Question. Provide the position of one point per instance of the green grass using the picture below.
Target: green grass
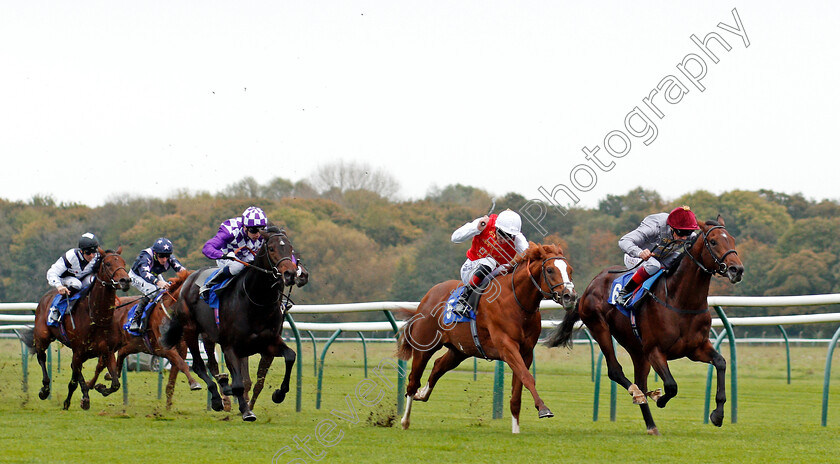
(777, 422)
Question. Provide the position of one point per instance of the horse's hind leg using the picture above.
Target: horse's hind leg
(77, 380)
(201, 371)
(234, 364)
(41, 339)
(450, 360)
(100, 365)
(708, 354)
(213, 367)
(418, 364)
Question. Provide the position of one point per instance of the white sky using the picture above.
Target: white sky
(106, 98)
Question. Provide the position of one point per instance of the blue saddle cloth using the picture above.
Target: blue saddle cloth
(212, 298)
(61, 302)
(638, 294)
(449, 314)
(146, 311)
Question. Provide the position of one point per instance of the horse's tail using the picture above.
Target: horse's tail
(562, 335)
(172, 329)
(404, 349)
(27, 336)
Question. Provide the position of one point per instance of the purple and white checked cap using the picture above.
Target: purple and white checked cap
(254, 217)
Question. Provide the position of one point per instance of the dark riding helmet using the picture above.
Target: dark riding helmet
(162, 246)
(88, 242)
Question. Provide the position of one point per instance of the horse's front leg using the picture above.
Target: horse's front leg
(100, 365)
(509, 350)
(659, 362)
(77, 380)
(641, 369)
(112, 364)
(708, 354)
(289, 356)
(234, 364)
(516, 396)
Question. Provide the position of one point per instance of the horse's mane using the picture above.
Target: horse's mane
(178, 280)
(712, 222)
(536, 250)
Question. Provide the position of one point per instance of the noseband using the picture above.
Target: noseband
(274, 271)
(721, 266)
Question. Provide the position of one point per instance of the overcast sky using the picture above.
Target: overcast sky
(99, 99)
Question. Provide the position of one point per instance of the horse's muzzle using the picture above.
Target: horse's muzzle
(567, 299)
(735, 273)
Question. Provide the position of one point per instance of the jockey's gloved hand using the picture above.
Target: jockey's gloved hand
(230, 255)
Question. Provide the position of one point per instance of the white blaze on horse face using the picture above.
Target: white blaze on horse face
(561, 266)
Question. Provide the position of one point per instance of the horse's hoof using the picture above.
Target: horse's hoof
(85, 403)
(44, 393)
(278, 396)
(195, 386)
(249, 417)
(226, 403)
(102, 389)
(653, 431)
(66, 406)
(716, 419)
(545, 412)
(216, 404)
(405, 424)
(661, 402)
(107, 376)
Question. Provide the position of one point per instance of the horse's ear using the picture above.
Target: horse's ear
(720, 220)
(101, 251)
(119, 250)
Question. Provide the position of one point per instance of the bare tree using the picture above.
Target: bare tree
(346, 176)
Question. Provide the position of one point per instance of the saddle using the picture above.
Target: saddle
(449, 314)
(633, 302)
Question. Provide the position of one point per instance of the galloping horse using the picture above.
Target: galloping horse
(250, 319)
(86, 329)
(127, 344)
(673, 321)
(507, 321)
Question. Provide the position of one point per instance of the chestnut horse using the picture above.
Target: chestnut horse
(250, 319)
(673, 321)
(127, 343)
(86, 329)
(508, 325)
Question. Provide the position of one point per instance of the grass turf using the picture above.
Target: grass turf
(776, 422)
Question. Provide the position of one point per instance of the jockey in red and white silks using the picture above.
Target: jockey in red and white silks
(496, 239)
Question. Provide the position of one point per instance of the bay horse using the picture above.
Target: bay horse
(673, 321)
(86, 330)
(127, 344)
(250, 319)
(508, 325)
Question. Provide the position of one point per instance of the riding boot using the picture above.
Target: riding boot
(54, 317)
(138, 315)
(640, 276)
(472, 293)
(219, 277)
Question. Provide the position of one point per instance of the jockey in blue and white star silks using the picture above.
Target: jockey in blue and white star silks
(237, 238)
(74, 270)
(146, 273)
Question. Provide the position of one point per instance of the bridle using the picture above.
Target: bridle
(274, 271)
(113, 283)
(551, 293)
(722, 267)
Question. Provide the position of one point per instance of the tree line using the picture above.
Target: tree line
(361, 244)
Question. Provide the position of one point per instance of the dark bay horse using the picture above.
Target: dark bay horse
(251, 314)
(86, 330)
(673, 322)
(128, 344)
(508, 325)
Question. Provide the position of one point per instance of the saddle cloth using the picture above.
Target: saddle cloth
(638, 294)
(148, 309)
(61, 302)
(449, 314)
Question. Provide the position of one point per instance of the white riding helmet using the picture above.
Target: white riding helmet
(509, 222)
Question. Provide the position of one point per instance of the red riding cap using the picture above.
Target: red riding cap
(682, 218)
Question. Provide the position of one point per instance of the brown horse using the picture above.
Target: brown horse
(673, 321)
(127, 344)
(508, 326)
(86, 329)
